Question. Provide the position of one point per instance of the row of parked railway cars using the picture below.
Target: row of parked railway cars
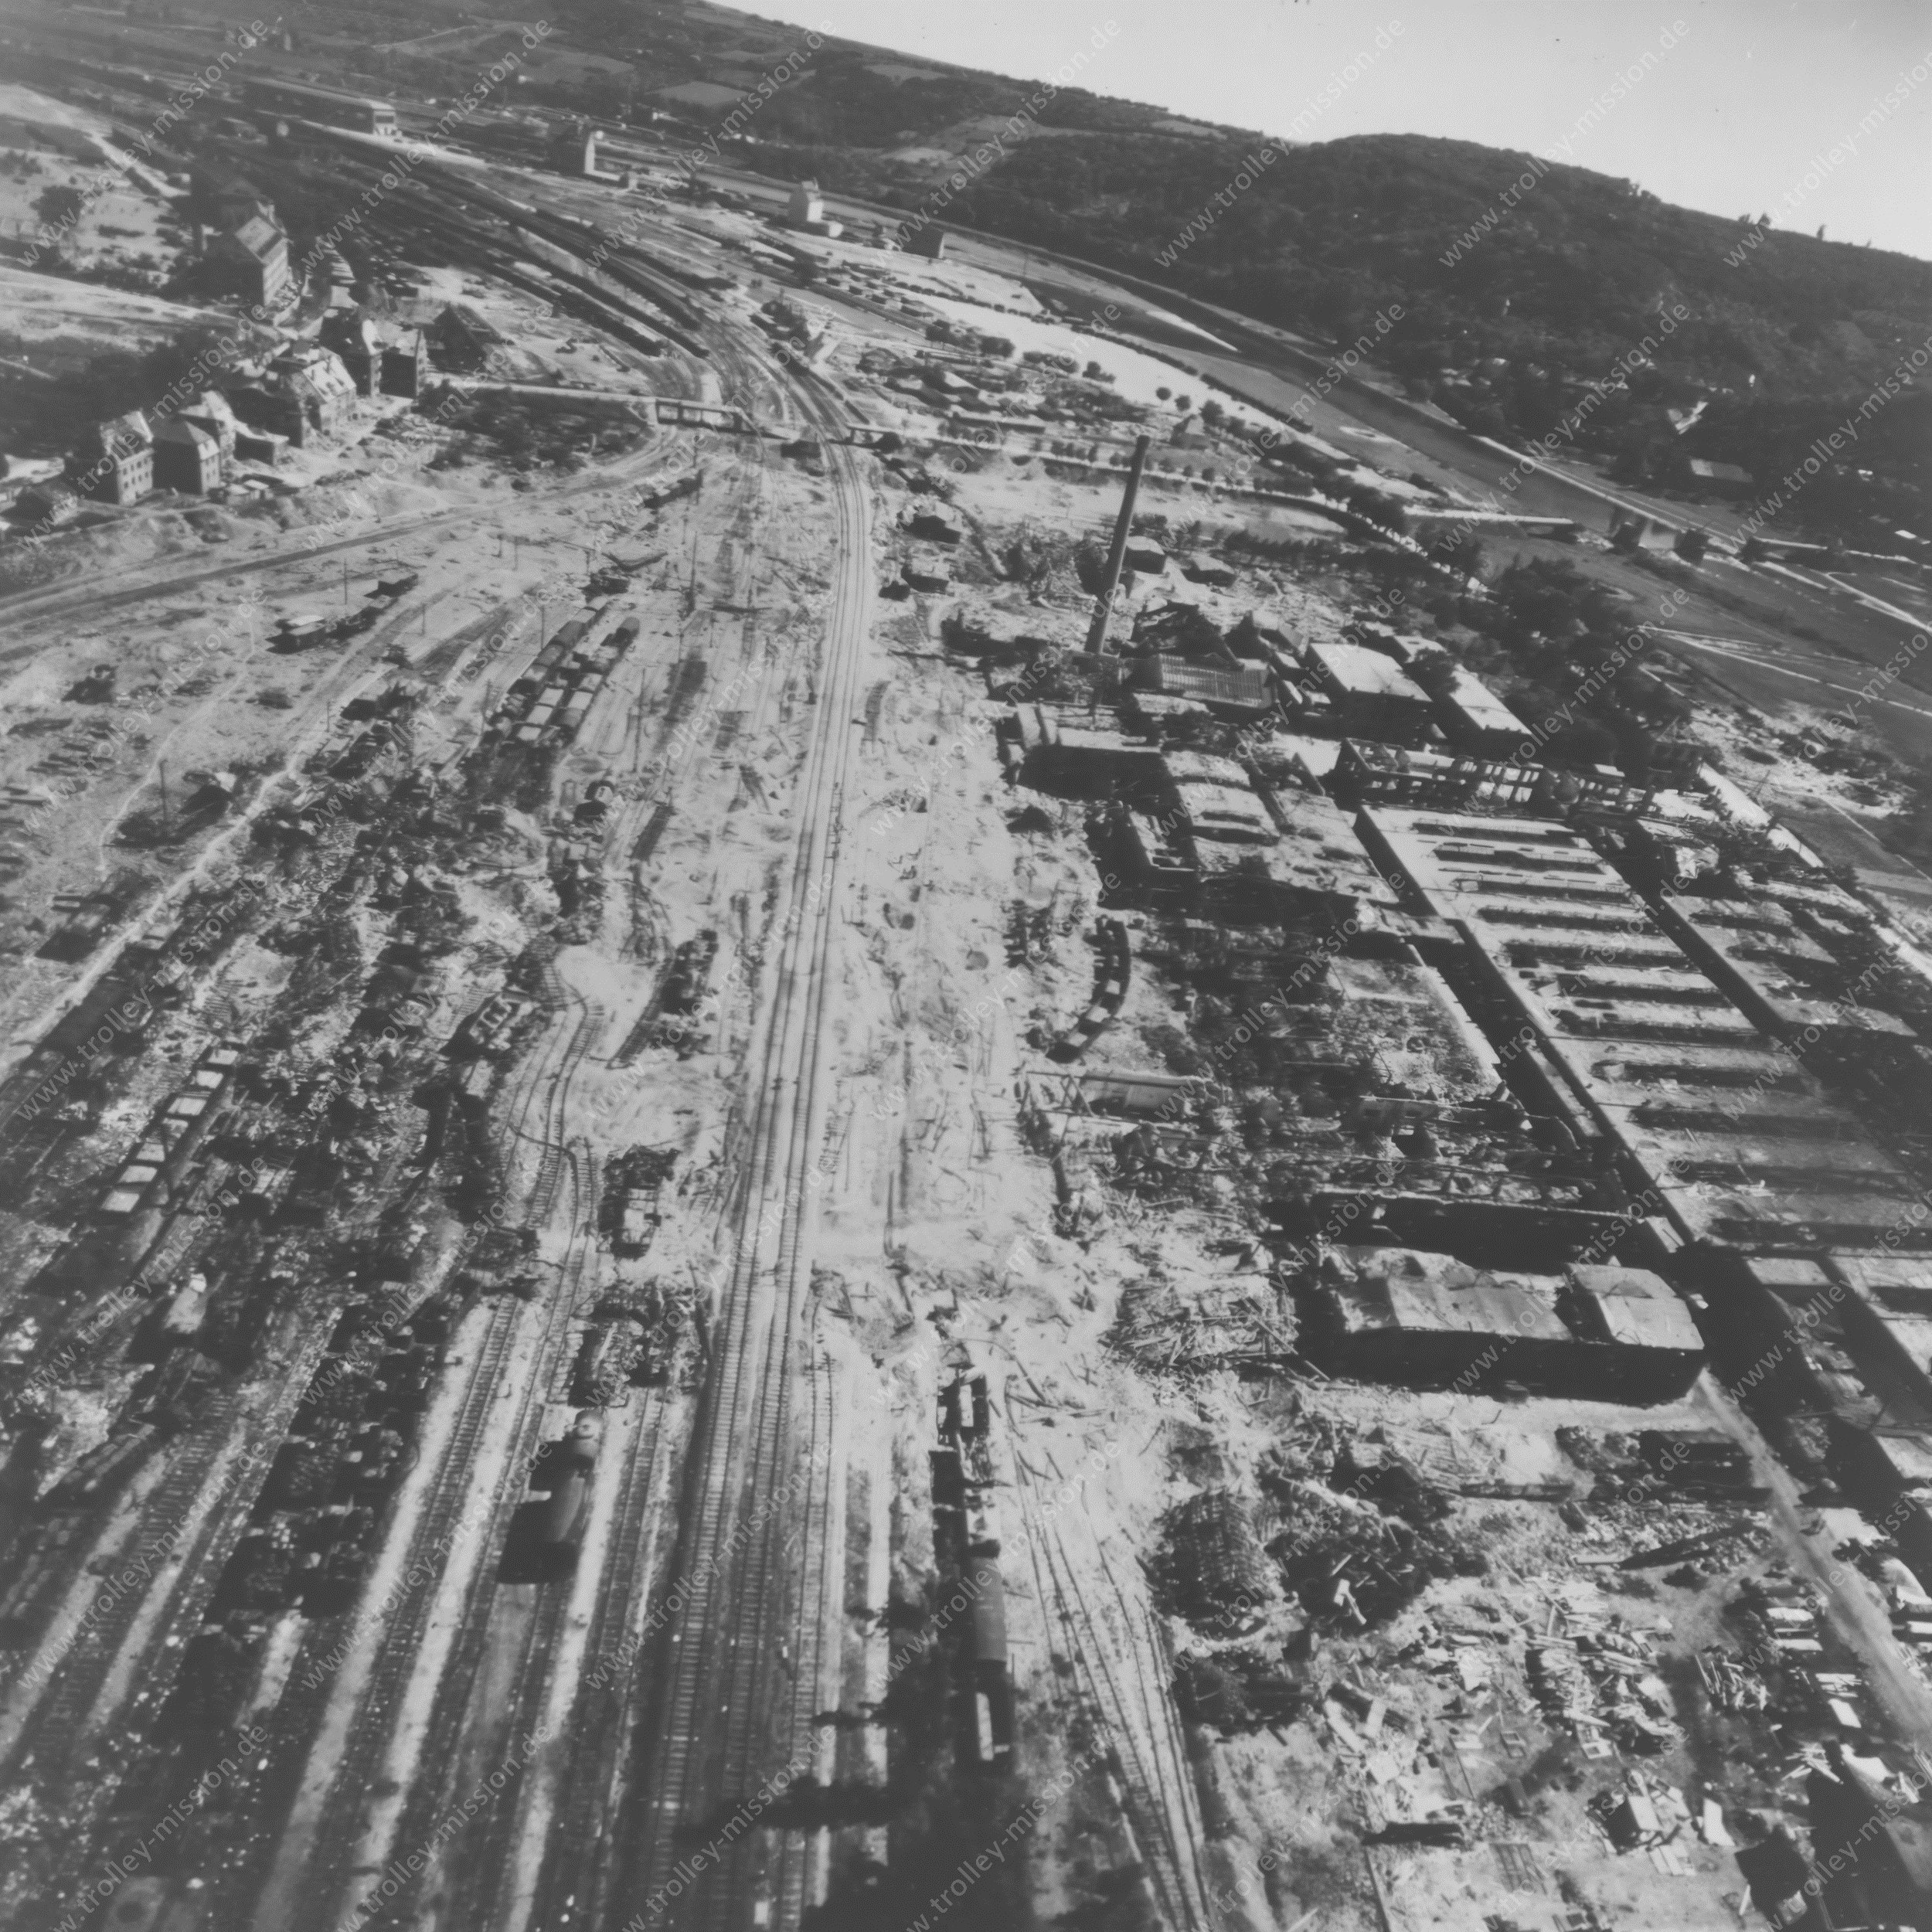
(546, 705)
(161, 1158)
(966, 1537)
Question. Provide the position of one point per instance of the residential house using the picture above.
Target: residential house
(806, 212)
(186, 457)
(210, 411)
(404, 363)
(252, 261)
(319, 387)
(573, 148)
(114, 462)
(354, 341)
(305, 394)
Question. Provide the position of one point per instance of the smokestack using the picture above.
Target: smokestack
(1097, 637)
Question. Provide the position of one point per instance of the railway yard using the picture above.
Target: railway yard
(752, 1176)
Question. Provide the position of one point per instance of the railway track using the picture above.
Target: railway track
(483, 1875)
(802, 1865)
(717, 1663)
(57, 1729)
(1138, 1715)
(305, 1880)
(583, 1807)
(316, 1877)
(358, 1742)
(555, 1148)
(535, 1109)
(454, 1484)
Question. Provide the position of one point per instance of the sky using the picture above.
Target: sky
(1734, 107)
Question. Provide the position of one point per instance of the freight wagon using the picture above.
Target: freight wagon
(572, 1463)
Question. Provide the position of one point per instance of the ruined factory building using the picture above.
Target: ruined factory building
(1658, 1350)
(1368, 774)
(1429, 1320)
(1778, 975)
(1371, 696)
(1474, 719)
(1238, 695)
(1736, 1141)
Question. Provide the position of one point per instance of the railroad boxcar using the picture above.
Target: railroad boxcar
(574, 1460)
(983, 1659)
(612, 1354)
(538, 672)
(685, 984)
(949, 1480)
(638, 1217)
(186, 1311)
(102, 1471)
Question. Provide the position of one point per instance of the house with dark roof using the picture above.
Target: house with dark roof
(317, 391)
(224, 199)
(186, 457)
(404, 364)
(354, 340)
(114, 461)
(305, 393)
(252, 259)
(573, 149)
(210, 411)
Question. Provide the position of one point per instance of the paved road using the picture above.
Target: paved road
(1853, 1606)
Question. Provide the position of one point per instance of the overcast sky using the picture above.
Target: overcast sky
(1741, 115)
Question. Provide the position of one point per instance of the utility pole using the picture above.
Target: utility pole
(1123, 530)
(166, 816)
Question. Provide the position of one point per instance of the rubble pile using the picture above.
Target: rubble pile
(1595, 1673)
(1240, 1322)
(1211, 1565)
(1236, 1688)
(1351, 1565)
